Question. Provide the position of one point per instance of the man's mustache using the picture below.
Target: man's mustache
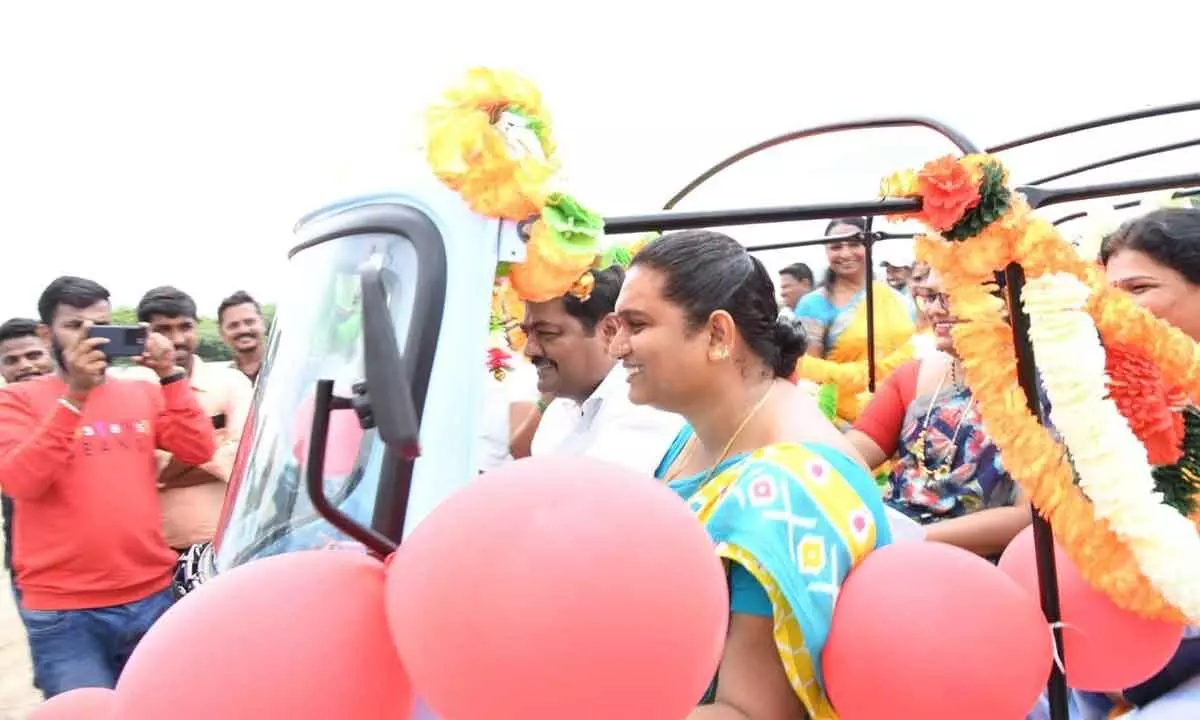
(246, 336)
(540, 361)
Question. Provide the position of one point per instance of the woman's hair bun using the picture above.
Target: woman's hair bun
(792, 341)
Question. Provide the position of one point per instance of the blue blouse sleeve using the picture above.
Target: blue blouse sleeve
(746, 594)
(815, 307)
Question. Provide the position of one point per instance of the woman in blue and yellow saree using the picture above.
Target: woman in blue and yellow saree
(789, 507)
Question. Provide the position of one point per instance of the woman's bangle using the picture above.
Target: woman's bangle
(541, 406)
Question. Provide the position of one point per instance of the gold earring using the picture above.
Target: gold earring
(721, 353)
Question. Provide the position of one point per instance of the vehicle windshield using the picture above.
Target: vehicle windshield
(319, 337)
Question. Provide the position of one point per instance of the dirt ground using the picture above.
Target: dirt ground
(17, 696)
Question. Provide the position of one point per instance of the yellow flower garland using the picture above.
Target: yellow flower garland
(1037, 462)
(850, 378)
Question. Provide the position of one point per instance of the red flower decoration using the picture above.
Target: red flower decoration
(1136, 386)
(948, 191)
(499, 362)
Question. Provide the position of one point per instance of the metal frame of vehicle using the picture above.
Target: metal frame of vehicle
(392, 503)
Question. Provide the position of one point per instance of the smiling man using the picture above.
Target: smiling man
(244, 330)
(24, 355)
(585, 407)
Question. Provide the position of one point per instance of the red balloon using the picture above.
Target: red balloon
(1105, 648)
(557, 588)
(913, 615)
(342, 444)
(301, 636)
(81, 704)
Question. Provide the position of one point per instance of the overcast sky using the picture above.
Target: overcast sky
(144, 143)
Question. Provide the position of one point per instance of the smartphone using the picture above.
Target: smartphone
(124, 341)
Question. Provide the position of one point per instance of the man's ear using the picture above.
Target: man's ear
(608, 326)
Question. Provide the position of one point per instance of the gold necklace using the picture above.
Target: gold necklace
(941, 473)
(684, 456)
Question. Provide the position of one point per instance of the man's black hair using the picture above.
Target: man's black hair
(79, 293)
(166, 301)
(601, 303)
(800, 272)
(18, 328)
(241, 297)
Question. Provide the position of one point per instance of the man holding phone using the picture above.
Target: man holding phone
(77, 457)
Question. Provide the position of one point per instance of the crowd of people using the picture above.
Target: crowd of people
(112, 477)
(680, 368)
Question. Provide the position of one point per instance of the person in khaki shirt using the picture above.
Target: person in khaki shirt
(191, 495)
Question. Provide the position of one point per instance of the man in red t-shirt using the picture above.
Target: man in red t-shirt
(77, 458)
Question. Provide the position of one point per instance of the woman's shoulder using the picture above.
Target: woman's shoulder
(808, 461)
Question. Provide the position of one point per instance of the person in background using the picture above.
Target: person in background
(1156, 258)
(795, 281)
(191, 495)
(584, 408)
(947, 475)
(835, 316)
(77, 457)
(925, 342)
(243, 329)
(24, 355)
(896, 258)
(509, 399)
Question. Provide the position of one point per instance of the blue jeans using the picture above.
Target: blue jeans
(16, 591)
(88, 648)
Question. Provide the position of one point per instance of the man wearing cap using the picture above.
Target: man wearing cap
(896, 258)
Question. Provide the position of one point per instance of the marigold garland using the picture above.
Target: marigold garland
(489, 140)
(1036, 460)
(1136, 386)
(850, 378)
(1113, 468)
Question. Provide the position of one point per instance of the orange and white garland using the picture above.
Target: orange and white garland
(1113, 467)
(1114, 527)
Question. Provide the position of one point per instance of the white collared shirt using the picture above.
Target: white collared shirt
(608, 426)
(518, 386)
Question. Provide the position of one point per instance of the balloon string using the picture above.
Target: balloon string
(1058, 657)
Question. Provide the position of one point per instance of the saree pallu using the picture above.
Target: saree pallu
(846, 336)
(843, 337)
(797, 518)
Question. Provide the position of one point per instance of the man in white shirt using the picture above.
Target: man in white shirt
(590, 413)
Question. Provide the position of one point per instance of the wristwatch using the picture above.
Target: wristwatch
(173, 377)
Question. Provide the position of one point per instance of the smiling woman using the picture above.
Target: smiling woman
(1156, 257)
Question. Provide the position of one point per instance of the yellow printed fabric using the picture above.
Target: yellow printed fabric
(797, 518)
(843, 338)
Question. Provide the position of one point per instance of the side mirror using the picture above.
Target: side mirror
(385, 400)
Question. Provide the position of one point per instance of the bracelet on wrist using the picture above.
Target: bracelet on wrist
(541, 406)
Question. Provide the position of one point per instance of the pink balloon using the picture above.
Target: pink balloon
(558, 588)
(81, 704)
(912, 615)
(1105, 648)
(301, 636)
(342, 445)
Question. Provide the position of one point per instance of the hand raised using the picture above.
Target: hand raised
(159, 355)
(84, 361)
